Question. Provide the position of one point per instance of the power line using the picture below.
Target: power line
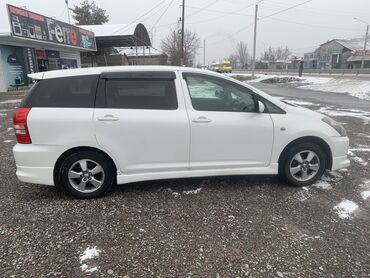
(221, 12)
(314, 26)
(134, 21)
(214, 18)
(231, 35)
(284, 10)
(202, 8)
(160, 17)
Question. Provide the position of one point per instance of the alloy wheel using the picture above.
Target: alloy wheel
(86, 175)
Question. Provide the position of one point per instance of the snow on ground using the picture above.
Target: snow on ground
(353, 87)
(365, 194)
(338, 112)
(356, 158)
(10, 101)
(322, 184)
(195, 191)
(89, 254)
(345, 209)
(325, 183)
(363, 135)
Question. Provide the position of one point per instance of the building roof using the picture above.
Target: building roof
(351, 44)
(357, 58)
(119, 35)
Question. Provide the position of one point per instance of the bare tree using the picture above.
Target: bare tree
(242, 54)
(274, 54)
(171, 45)
(233, 60)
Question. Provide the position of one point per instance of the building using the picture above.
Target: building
(338, 54)
(122, 44)
(33, 43)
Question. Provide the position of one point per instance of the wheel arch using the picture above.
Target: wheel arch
(311, 139)
(68, 152)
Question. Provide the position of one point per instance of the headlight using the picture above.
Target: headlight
(334, 124)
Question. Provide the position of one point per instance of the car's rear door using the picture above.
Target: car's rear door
(142, 122)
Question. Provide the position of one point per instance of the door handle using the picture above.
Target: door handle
(202, 119)
(108, 118)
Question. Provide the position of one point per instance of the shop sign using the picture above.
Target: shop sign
(37, 27)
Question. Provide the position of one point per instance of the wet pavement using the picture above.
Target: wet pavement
(204, 227)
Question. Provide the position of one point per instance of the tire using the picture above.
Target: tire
(87, 174)
(304, 164)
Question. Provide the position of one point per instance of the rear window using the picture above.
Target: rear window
(141, 94)
(70, 92)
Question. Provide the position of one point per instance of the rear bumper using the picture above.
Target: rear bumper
(35, 163)
(37, 175)
(339, 148)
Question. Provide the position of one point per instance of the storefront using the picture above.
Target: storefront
(35, 43)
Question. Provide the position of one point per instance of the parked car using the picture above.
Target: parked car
(87, 129)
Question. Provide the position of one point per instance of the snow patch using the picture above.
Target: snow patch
(354, 87)
(360, 150)
(10, 101)
(345, 209)
(365, 194)
(322, 185)
(195, 191)
(356, 158)
(337, 112)
(89, 254)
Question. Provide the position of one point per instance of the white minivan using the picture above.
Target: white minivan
(87, 129)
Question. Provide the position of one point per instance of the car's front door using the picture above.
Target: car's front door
(142, 122)
(227, 131)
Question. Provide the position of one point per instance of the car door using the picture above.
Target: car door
(141, 121)
(227, 131)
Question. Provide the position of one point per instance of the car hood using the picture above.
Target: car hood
(302, 111)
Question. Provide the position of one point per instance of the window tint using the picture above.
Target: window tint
(215, 94)
(141, 94)
(72, 92)
(272, 108)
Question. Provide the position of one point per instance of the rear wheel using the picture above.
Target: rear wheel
(87, 174)
(304, 164)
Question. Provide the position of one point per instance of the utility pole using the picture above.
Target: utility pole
(69, 18)
(365, 43)
(204, 53)
(182, 33)
(254, 40)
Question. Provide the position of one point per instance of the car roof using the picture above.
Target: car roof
(100, 70)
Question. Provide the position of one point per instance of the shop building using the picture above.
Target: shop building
(35, 43)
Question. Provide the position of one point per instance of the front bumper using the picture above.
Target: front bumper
(339, 148)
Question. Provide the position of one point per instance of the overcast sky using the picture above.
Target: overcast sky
(222, 23)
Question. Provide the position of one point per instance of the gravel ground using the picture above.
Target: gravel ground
(204, 227)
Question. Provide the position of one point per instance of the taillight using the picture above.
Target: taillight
(20, 125)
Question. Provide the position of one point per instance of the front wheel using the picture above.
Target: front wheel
(87, 174)
(304, 164)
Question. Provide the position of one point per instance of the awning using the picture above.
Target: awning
(119, 35)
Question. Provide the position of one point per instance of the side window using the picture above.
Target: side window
(273, 109)
(215, 94)
(69, 92)
(141, 94)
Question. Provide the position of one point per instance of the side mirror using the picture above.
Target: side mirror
(261, 107)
